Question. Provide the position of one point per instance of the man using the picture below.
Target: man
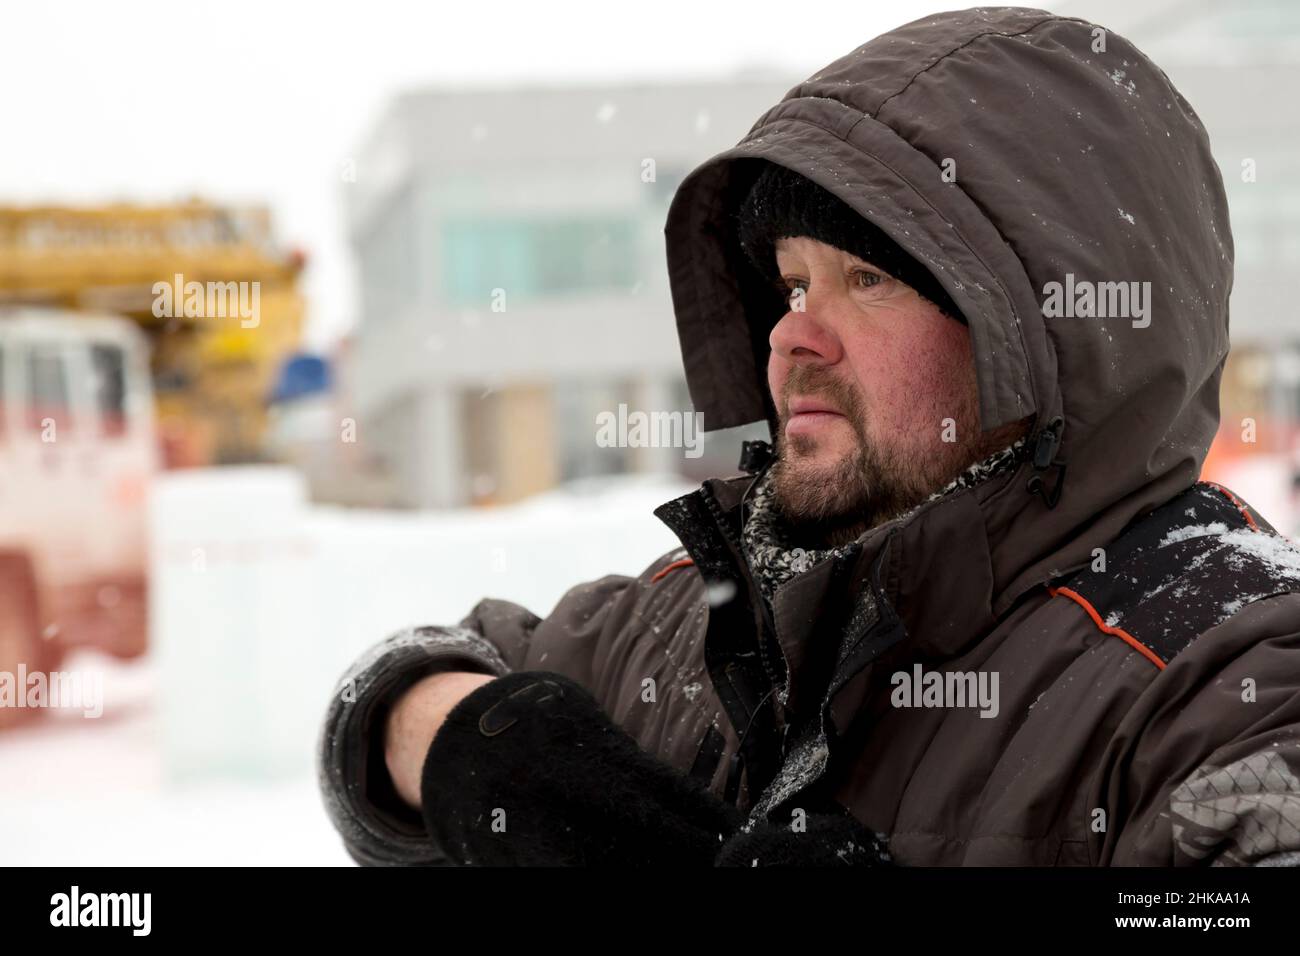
(972, 606)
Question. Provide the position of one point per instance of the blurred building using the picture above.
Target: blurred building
(539, 195)
(513, 285)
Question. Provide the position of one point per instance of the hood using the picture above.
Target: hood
(1033, 163)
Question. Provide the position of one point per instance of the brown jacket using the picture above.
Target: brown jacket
(1143, 627)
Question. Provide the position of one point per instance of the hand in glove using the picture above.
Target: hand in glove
(528, 770)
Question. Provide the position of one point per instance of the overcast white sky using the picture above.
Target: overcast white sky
(253, 100)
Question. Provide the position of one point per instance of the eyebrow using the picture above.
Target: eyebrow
(854, 261)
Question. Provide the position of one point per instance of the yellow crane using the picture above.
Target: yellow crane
(218, 300)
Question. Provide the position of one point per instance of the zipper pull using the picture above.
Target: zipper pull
(1046, 445)
(754, 455)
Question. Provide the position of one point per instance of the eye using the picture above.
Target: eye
(860, 278)
(858, 275)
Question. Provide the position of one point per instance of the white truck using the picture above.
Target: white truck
(77, 453)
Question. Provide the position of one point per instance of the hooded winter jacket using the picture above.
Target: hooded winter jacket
(1085, 656)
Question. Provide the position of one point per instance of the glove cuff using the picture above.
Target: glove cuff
(378, 828)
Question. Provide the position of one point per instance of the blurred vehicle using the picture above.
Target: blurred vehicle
(211, 369)
(77, 448)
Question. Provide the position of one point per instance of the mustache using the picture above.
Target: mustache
(807, 381)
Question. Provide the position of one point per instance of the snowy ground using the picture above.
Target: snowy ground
(205, 750)
(77, 792)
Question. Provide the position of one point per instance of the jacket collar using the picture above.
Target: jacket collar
(927, 577)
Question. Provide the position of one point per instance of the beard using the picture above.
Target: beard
(831, 504)
(828, 506)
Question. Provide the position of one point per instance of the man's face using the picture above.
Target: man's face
(875, 392)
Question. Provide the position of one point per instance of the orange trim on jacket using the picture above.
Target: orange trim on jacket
(1105, 628)
(1235, 500)
(683, 563)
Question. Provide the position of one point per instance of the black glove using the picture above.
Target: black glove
(832, 838)
(528, 770)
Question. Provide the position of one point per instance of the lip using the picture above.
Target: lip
(808, 415)
(811, 406)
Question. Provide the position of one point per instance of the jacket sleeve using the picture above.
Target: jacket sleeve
(1214, 778)
(497, 637)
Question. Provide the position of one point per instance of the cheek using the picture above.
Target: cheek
(777, 372)
(917, 379)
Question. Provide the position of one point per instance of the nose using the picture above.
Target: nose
(804, 338)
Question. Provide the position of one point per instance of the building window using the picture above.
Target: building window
(109, 386)
(535, 259)
(47, 389)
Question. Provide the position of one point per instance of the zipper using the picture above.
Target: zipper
(763, 645)
(756, 600)
(758, 455)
